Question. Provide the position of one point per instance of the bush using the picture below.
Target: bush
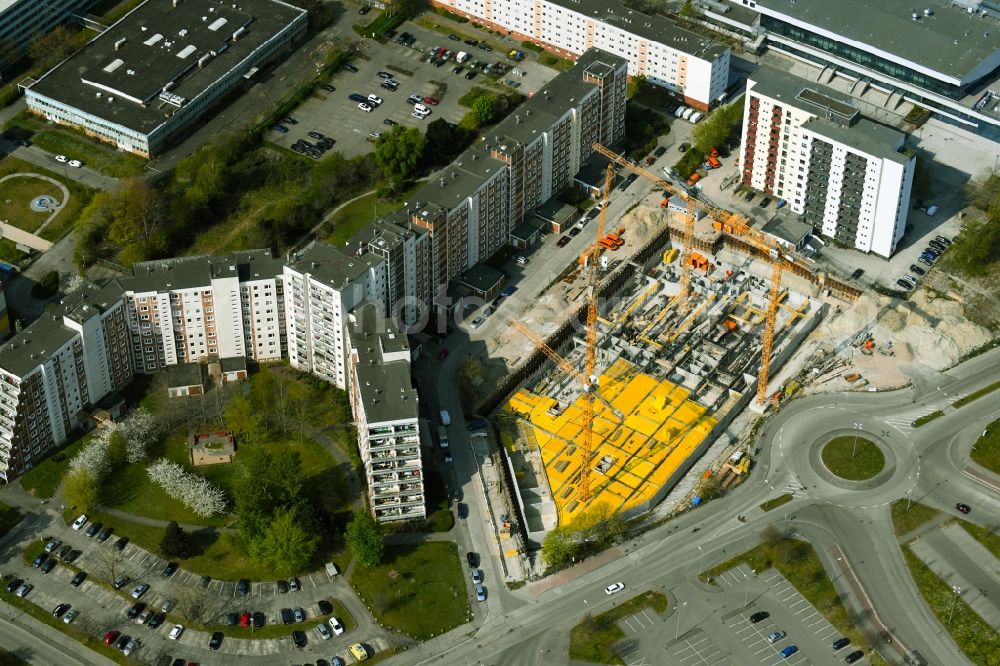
(46, 286)
(532, 46)
(454, 17)
(691, 161)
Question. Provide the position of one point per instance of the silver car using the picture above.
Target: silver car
(480, 593)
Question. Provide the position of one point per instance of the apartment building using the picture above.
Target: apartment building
(57, 368)
(162, 67)
(22, 20)
(186, 309)
(468, 209)
(322, 286)
(849, 178)
(694, 67)
(385, 411)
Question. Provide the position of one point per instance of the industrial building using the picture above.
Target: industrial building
(848, 177)
(162, 67)
(692, 66)
(23, 20)
(671, 377)
(943, 55)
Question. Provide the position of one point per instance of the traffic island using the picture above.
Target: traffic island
(853, 458)
(594, 638)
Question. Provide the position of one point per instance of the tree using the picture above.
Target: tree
(772, 535)
(175, 541)
(48, 48)
(287, 543)
(398, 153)
(484, 109)
(265, 482)
(46, 286)
(364, 536)
(248, 423)
(444, 141)
(717, 127)
(138, 220)
(559, 548)
(117, 448)
(80, 489)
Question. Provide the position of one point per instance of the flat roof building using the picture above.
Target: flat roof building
(691, 65)
(163, 66)
(848, 177)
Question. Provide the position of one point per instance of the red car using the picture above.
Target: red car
(110, 637)
(245, 619)
(443, 354)
(431, 101)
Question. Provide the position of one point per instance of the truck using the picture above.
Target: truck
(331, 569)
(461, 57)
(443, 437)
(712, 163)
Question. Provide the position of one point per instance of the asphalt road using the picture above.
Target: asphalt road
(927, 464)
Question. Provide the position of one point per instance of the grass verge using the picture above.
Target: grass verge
(853, 458)
(97, 156)
(976, 395)
(927, 418)
(905, 520)
(797, 561)
(78, 198)
(74, 631)
(986, 450)
(971, 633)
(9, 517)
(775, 502)
(988, 537)
(351, 218)
(418, 589)
(594, 638)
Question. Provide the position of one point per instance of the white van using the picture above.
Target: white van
(680, 111)
(695, 117)
(687, 113)
(331, 569)
(445, 418)
(420, 108)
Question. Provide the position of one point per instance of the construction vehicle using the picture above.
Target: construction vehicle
(695, 177)
(712, 163)
(616, 237)
(738, 226)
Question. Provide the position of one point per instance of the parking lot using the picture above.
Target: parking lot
(334, 114)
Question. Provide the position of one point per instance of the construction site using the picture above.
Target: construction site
(667, 349)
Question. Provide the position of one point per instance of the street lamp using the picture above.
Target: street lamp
(701, 556)
(677, 632)
(857, 429)
(954, 600)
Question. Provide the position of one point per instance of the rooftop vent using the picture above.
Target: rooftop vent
(120, 43)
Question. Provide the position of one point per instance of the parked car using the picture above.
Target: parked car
(943, 239)
(121, 581)
(52, 545)
(840, 643)
(121, 543)
(24, 589)
(105, 534)
(336, 626)
(169, 570)
(281, 129)
(917, 269)
(140, 590)
(134, 610)
(176, 632)
(324, 606)
(76, 164)
(857, 273)
(323, 632)
(13, 584)
(775, 636)
(93, 529)
(257, 619)
(471, 74)
(232, 619)
(286, 616)
(365, 107)
(70, 616)
(477, 577)
(927, 261)
(904, 284)
(477, 322)
(853, 657)
(215, 642)
(350, 68)
(144, 616)
(78, 578)
(564, 241)
(299, 639)
(765, 202)
(759, 616)
(789, 651)
(156, 620)
(431, 100)
(327, 87)
(294, 585)
(243, 586)
(374, 100)
(300, 615)
(964, 508)
(64, 551)
(111, 636)
(122, 641)
(39, 560)
(60, 610)
(49, 565)
(62, 159)
(480, 593)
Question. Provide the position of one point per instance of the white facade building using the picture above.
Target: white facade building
(848, 178)
(385, 412)
(694, 67)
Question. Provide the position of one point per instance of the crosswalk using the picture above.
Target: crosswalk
(902, 423)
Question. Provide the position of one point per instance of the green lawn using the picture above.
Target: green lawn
(906, 520)
(593, 639)
(986, 451)
(76, 145)
(16, 196)
(9, 518)
(350, 219)
(42, 480)
(32, 550)
(75, 631)
(555, 62)
(961, 402)
(971, 633)
(797, 561)
(20, 191)
(418, 589)
(775, 502)
(927, 418)
(988, 537)
(853, 458)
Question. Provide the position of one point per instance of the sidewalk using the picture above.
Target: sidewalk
(586, 566)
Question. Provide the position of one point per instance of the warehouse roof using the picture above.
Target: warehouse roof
(161, 56)
(950, 40)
